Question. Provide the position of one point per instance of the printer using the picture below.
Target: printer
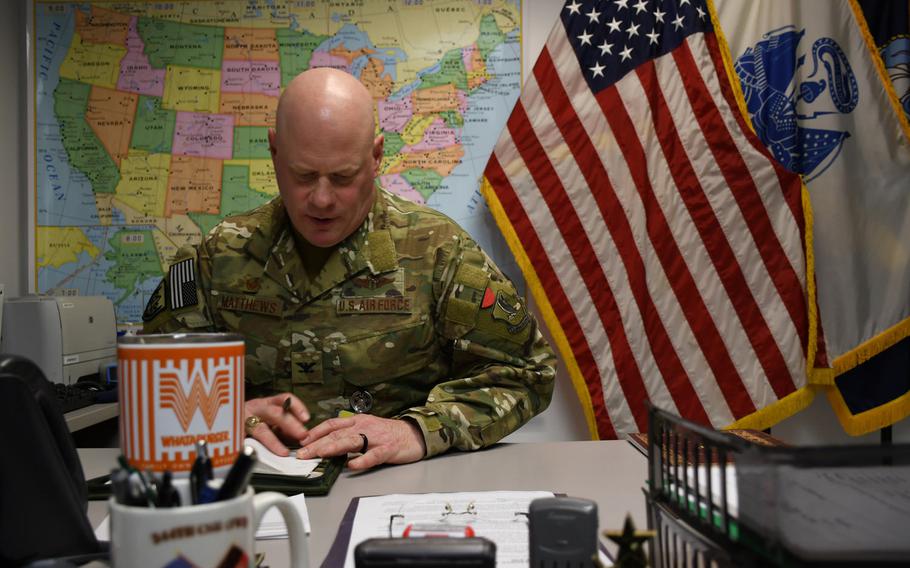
(68, 337)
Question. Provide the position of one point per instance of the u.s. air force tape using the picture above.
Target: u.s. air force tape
(182, 284)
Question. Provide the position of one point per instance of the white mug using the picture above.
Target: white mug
(213, 535)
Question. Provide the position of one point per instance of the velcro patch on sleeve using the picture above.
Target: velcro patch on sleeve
(382, 251)
(461, 311)
(182, 284)
(472, 276)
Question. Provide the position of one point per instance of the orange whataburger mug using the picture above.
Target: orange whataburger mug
(176, 389)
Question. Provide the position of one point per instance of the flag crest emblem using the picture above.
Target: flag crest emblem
(768, 74)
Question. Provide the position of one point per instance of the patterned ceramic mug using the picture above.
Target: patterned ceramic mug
(219, 534)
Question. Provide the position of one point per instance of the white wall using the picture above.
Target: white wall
(564, 419)
(13, 191)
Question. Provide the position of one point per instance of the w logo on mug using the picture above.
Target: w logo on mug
(203, 374)
(175, 390)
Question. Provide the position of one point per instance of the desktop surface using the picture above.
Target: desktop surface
(611, 473)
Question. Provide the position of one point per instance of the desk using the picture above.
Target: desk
(91, 415)
(611, 473)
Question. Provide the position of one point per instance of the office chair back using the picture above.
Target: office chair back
(43, 499)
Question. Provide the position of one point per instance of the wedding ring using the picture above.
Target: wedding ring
(366, 443)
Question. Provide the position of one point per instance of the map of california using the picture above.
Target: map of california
(152, 117)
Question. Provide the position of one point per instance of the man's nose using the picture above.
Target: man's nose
(323, 196)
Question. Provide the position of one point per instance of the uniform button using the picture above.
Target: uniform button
(361, 401)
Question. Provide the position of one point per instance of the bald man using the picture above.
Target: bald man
(372, 325)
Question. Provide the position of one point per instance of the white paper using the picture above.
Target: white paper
(272, 525)
(494, 517)
(103, 532)
(272, 463)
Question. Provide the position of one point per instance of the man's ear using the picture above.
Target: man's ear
(273, 148)
(378, 144)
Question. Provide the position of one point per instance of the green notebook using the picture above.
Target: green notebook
(319, 482)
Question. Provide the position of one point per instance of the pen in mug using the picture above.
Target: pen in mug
(168, 496)
(239, 475)
(200, 473)
(120, 486)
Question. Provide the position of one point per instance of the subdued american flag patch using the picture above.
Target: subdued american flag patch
(182, 284)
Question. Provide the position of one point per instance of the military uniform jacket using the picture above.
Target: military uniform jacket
(408, 318)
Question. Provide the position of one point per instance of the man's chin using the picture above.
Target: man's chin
(323, 239)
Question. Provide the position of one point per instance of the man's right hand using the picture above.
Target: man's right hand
(279, 420)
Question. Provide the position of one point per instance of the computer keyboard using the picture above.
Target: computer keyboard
(73, 397)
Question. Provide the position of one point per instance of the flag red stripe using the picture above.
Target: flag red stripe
(567, 222)
(573, 132)
(564, 311)
(744, 191)
(687, 294)
(790, 184)
(731, 276)
(792, 187)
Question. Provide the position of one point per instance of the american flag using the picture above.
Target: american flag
(664, 245)
(182, 284)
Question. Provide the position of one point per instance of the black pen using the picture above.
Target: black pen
(120, 486)
(239, 476)
(167, 493)
(200, 473)
(203, 447)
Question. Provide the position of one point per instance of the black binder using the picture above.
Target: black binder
(319, 482)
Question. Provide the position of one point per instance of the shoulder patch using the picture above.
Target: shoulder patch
(155, 304)
(182, 284)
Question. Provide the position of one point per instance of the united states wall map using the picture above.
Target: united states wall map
(151, 119)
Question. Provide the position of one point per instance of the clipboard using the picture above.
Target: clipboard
(339, 549)
(319, 482)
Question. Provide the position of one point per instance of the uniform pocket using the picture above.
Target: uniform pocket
(263, 360)
(384, 355)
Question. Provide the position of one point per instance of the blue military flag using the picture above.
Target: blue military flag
(821, 100)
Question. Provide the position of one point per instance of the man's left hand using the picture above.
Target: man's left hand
(389, 440)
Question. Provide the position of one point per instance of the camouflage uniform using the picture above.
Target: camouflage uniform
(407, 312)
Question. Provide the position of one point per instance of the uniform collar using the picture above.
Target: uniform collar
(369, 248)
